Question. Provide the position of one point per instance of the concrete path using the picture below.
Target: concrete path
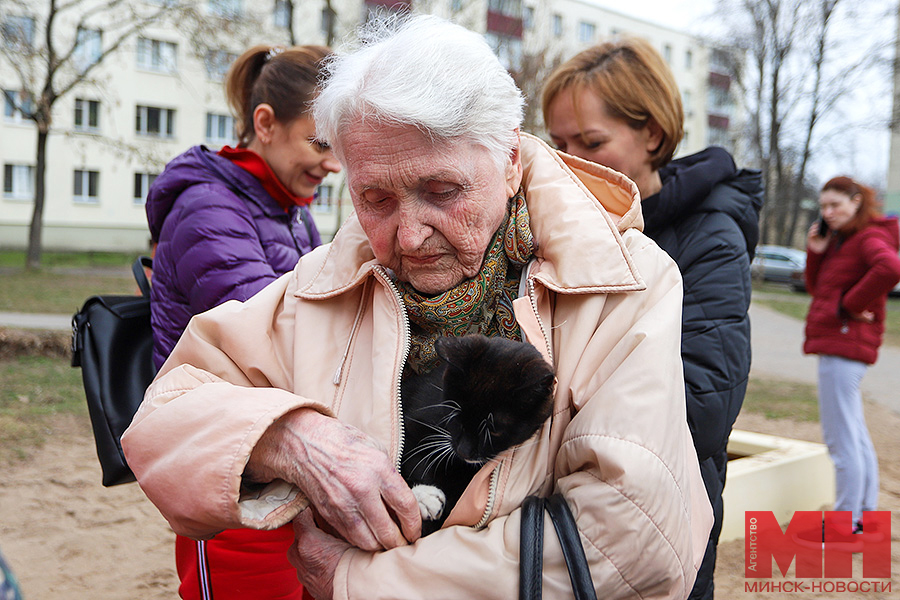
(777, 351)
(36, 321)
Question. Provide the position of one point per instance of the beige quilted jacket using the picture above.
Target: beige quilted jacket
(602, 302)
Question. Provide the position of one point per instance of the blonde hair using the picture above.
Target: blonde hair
(635, 84)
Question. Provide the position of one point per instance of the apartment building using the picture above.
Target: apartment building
(161, 92)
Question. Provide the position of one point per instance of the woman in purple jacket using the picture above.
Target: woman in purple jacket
(851, 266)
(226, 224)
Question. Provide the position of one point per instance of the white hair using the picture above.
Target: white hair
(427, 72)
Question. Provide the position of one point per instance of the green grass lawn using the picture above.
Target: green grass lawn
(64, 281)
(782, 400)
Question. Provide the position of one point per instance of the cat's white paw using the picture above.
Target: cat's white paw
(431, 501)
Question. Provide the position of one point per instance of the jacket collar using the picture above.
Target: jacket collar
(578, 212)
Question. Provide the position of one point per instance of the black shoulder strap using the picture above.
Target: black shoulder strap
(531, 549)
(573, 551)
(140, 275)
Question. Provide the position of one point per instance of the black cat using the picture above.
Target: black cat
(487, 395)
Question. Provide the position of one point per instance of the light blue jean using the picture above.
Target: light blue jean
(846, 435)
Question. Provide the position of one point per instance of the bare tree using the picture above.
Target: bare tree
(55, 46)
(532, 72)
(797, 73)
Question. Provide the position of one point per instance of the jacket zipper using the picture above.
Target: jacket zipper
(404, 321)
(294, 235)
(533, 297)
(495, 475)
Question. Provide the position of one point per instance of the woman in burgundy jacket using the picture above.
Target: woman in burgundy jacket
(227, 224)
(850, 268)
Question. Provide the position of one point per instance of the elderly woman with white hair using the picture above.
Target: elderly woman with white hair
(288, 406)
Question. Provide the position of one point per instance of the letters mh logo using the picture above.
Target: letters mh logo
(823, 544)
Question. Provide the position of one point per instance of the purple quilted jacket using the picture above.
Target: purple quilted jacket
(220, 237)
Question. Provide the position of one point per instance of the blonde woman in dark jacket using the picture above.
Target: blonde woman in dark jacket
(617, 104)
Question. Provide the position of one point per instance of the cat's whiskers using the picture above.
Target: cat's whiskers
(434, 449)
(441, 452)
(436, 427)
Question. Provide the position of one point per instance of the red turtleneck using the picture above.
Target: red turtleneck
(254, 164)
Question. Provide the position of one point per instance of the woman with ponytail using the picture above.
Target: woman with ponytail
(851, 265)
(225, 225)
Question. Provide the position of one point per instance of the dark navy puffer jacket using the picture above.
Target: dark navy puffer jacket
(706, 217)
(220, 237)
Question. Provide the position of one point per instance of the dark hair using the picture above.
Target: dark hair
(868, 206)
(283, 78)
(635, 84)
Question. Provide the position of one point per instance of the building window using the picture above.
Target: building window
(556, 25)
(324, 201)
(88, 48)
(507, 48)
(87, 185)
(142, 183)
(17, 32)
(87, 115)
(688, 60)
(156, 55)
(667, 53)
(154, 121)
(687, 103)
(217, 63)
(528, 18)
(228, 9)
(510, 8)
(219, 129)
(17, 106)
(18, 182)
(283, 14)
(586, 32)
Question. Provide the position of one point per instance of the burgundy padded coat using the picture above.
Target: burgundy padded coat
(854, 274)
(220, 237)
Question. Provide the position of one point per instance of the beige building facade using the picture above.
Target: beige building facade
(161, 92)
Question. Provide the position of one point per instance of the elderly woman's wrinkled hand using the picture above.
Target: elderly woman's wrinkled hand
(315, 554)
(345, 474)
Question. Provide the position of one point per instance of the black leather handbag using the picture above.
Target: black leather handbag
(113, 344)
(531, 548)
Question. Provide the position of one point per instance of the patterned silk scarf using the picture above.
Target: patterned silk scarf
(482, 304)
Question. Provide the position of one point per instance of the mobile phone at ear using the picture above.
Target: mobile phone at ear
(823, 227)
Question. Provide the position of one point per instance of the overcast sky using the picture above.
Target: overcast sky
(677, 14)
(863, 148)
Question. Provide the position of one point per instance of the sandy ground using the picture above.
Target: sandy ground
(68, 537)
